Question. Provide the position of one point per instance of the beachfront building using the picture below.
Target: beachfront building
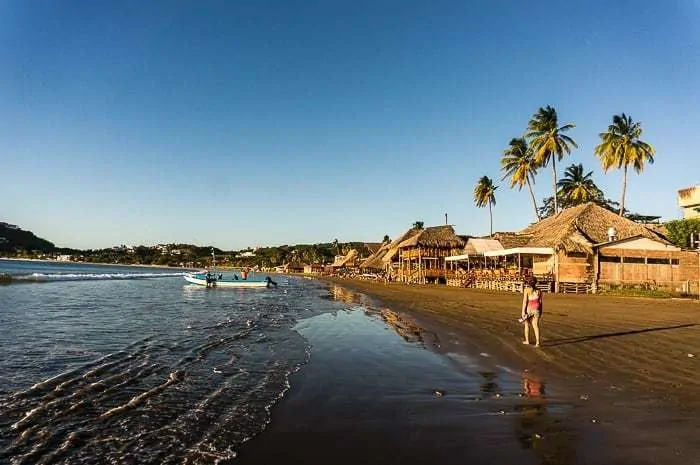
(422, 254)
(583, 248)
(347, 262)
(689, 202)
(314, 268)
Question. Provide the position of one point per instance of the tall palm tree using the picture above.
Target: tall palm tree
(484, 194)
(518, 162)
(576, 187)
(548, 142)
(621, 147)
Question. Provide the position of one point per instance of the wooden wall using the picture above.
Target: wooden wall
(620, 266)
(575, 268)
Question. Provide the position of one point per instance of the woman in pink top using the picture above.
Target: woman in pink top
(532, 310)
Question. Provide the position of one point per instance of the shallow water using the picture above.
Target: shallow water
(145, 369)
(150, 369)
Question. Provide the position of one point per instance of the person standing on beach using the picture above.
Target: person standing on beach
(531, 310)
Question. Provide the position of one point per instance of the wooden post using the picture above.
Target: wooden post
(420, 267)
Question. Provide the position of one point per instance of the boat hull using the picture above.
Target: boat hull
(240, 283)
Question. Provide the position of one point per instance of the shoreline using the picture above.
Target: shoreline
(41, 260)
(627, 366)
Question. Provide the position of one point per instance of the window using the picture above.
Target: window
(658, 261)
(633, 260)
(603, 258)
(674, 261)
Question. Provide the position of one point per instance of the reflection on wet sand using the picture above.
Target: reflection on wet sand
(341, 294)
(405, 329)
(540, 431)
(489, 387)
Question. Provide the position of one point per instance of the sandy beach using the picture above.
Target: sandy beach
(629, 364)
(618, 378)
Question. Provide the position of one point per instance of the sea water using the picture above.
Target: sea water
(108, 364)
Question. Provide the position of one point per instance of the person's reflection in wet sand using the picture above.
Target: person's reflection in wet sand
(539, 430)
(489, 387)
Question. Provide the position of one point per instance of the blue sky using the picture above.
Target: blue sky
(279, 122)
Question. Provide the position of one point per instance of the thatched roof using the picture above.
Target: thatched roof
(373, 246)
(348, 259)
(577, 229)
(440, 237)
(393, 247)
(374, 261)
(511, 240)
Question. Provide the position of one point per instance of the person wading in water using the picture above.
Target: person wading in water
(531, 310)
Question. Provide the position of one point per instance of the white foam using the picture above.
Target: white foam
(40, 277)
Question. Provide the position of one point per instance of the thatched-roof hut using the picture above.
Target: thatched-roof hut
(578, 229)
(374, 261)
(567, 246)
(393, 247)
(346, 261)
(422, 254)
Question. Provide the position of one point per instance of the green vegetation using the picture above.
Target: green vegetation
(622, 148)
(518, 162)
(484, 194)
(548, 142)
(638, 292)
(576, 187)
(12, 238)
(679, 231)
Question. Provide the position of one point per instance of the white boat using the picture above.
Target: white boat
(224, 280)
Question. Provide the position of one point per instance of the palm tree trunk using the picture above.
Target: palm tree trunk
(554, 182)
(534, 202)
(624, 191)
(490, 220)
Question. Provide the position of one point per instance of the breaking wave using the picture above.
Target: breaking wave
(51, 277)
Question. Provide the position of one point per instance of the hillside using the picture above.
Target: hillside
(13, 238)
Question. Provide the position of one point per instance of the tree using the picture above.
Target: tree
(621, 147)
(518, 162)
(484, 194)
(679, 231)
(548, 141)
(386, 239)
(418, 225)
(576, 187)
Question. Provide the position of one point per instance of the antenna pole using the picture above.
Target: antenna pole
(445, 218)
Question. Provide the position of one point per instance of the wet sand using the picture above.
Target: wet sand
(620, 386)
(630, 365)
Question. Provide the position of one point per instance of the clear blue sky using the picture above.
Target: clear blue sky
(280, 122)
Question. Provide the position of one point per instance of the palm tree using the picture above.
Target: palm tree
(484, 195)
(418, 225)
(576, 187)
(518, 162)
(621, 147)
(548, 142)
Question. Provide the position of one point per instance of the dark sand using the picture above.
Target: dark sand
(626, 389)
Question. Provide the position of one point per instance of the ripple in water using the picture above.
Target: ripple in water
(156, 373)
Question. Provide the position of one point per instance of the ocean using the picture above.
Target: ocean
(110, 364)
